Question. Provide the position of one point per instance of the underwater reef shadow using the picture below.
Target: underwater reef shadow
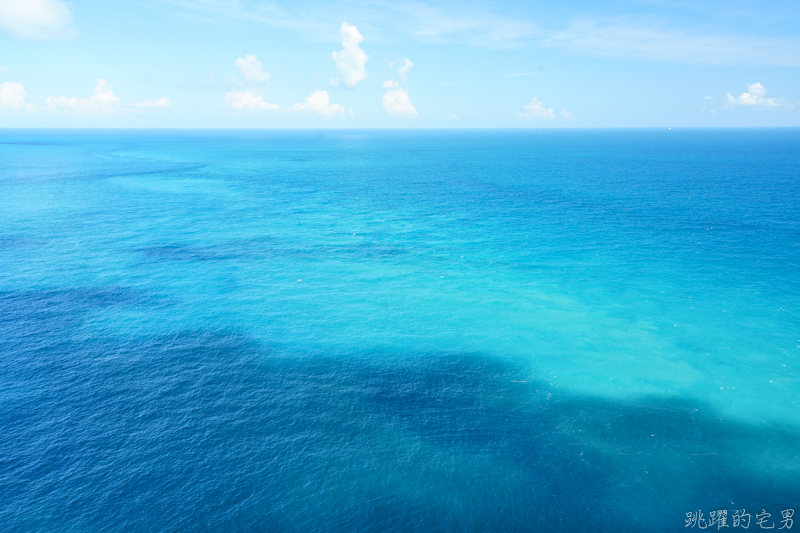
(213, 431)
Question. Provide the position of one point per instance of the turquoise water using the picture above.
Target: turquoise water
(397, 331)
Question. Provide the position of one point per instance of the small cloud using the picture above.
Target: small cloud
(12, 96)
(756, 88)
(253, 72)
(397, 103)
(3, 69)
(103, 96)
(351, 58)
(39, 20)
(709, 98)
(102, 101)
(161, 102)
(247, 99)
(535, 109)
(252, 69)
(754, 97)
(62, 103)
(566, 114)
(451, 117)
(405, 68)
(319, 102)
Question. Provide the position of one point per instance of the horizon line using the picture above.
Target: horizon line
(473, 128)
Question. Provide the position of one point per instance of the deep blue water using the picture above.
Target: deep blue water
(397, 331)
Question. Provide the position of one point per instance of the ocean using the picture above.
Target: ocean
(399, 331)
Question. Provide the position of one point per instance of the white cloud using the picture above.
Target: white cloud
(351, 58)
(161, 102)
(755, 97)
(3, 69)
(566, 114)
(102, 101)
(252, 69)
(648, 40)
(36, 19)
(62, 103)
(12, 96)
(103, 96)
(465, 22)
(319, 102)
(396, 101)
(247, 99)
(756, 88)
(660, 37)
(404, 68)
(535, 109)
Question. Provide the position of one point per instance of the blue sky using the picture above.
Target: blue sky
(388, 64)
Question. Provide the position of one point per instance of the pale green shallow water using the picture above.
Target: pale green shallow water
(410, 331)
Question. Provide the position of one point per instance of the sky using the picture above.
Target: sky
(399, 64)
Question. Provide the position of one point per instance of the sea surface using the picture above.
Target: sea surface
(398, 331)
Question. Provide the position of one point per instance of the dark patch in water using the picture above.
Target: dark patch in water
(18, 242)
(185, 167)
(112, 169)
(361, 250)
(209, 431)
(66, 300)
(265, 249)
(47, 316)
(175, 252)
